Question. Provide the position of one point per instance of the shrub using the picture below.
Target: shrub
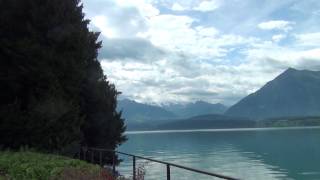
(30, 165)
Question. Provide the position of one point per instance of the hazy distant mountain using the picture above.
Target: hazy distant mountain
(195, 109)
(214, 121)
(137, 112)
(292, 93)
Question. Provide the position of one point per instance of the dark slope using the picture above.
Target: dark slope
(210, 121)
(292, 93)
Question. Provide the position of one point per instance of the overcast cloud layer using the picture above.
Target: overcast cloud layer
(164, 51)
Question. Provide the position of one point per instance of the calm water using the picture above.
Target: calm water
(246, 154)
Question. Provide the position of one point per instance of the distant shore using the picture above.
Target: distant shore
(223, 130)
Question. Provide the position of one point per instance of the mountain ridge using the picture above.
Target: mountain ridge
(139, 112)
(195, 109)
(292, 93)
(134, 111)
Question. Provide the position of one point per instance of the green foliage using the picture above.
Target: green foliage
(53, 91)
(29, 165)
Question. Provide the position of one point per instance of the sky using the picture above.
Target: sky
(219, 51)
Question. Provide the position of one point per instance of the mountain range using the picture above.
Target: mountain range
(137, 113)
(195, 109)
(292, 93)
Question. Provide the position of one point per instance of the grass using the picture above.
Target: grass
(34, 166)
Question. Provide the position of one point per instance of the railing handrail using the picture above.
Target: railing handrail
(168, 164)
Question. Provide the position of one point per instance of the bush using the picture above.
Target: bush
(30, 165)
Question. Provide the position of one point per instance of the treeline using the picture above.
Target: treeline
(290, 121)
(223, 122)
(54, 94)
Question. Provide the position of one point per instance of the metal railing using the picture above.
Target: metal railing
(94, 151)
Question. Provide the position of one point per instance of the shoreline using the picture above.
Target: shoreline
(221, 130)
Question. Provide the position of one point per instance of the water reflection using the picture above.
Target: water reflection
(282, 154)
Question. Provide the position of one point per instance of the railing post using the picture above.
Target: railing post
(80, 149)
(114, 163)
(100, 158)
(134, 168)
(92, 156)
(168, 172)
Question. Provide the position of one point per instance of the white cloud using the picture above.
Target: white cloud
(278, 37)
(276, 25)
(308, 39)
(208, 5)
(207, 32)
(216, 83)
(153, 56)
(178, 7)
(169, 31)
(101, 22)
(119, 18)
(181, 36)
(145, 8)
(183, 80)
(271, 55)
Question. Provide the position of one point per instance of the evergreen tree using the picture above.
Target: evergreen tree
(53, 91)
(98, 95)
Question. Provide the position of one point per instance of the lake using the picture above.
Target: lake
(257, 154)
